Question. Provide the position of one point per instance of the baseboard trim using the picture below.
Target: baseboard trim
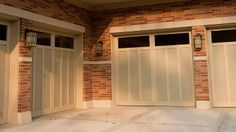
(97, 104)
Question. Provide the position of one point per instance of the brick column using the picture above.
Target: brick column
(201, 70)
(25, 65)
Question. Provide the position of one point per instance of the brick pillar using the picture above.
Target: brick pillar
(201, 70)
(25, 64)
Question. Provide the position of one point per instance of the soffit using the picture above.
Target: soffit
(115, 4)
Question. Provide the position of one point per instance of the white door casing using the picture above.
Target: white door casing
(153, 75)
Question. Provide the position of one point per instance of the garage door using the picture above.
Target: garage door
(154, 70)
(53, 74)
(223, 67)
(3, 73)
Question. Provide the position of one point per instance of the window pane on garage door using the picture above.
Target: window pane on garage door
(223, 36)
(132, 42)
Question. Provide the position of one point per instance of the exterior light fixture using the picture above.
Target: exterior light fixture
(198, 42)
(30, 38)
(99, 48)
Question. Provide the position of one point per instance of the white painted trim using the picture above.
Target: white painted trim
(203, 104)
(5, 9)
(173, 25)
(13, 71)
(24, 117)
(97, 62)
(25, 59)
(200, 58)
(97, 104)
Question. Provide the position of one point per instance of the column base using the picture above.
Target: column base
(24, 117)
(97, 104)
(203, 105)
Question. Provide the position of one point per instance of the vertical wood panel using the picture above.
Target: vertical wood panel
(123, 75)
(146, 75)
(173, 74)
(186, 77)
(47, 78)
(134, 76)
(161, 75)
(219, 74)
(71, 78)
(57, 78)
(231, 55)
(39, 82)
(2, 80)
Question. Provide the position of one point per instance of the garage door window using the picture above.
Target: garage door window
(223, 36)
(3, 32)
(64, 42)
(172, 39)
(43, 39)
(133, 42)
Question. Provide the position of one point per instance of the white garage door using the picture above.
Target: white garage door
(3, 73)
(154, 70)
(223, 67)
(53, 74)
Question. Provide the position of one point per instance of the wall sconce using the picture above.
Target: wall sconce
(198, 42)
(30, 38)
(99, 48)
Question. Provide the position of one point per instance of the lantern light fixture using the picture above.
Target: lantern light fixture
(99, 48)
(30, 38)
(198, 42)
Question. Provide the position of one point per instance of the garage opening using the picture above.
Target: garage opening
(223, 71)
(3, 73)
(53, 74)
(154, 70)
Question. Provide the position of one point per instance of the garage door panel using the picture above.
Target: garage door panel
(145, 69)
(161, 76)
(123, 76)
(219, 77)
(153, 75)
(47, 78)
(134, 76)
(173, 78)
(2, 79)
(231, 65)
(71, 78)
(57, 79)
(38, 91)
(64, 77)
(186, 76)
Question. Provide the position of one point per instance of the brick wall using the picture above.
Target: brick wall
(97, 82)
(24, 71)
(201, 67)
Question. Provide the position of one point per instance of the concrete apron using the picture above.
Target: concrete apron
(133, 119)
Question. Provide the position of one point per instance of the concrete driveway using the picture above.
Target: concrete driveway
(133, 119)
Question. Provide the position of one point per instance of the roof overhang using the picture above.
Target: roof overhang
(116, 4)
